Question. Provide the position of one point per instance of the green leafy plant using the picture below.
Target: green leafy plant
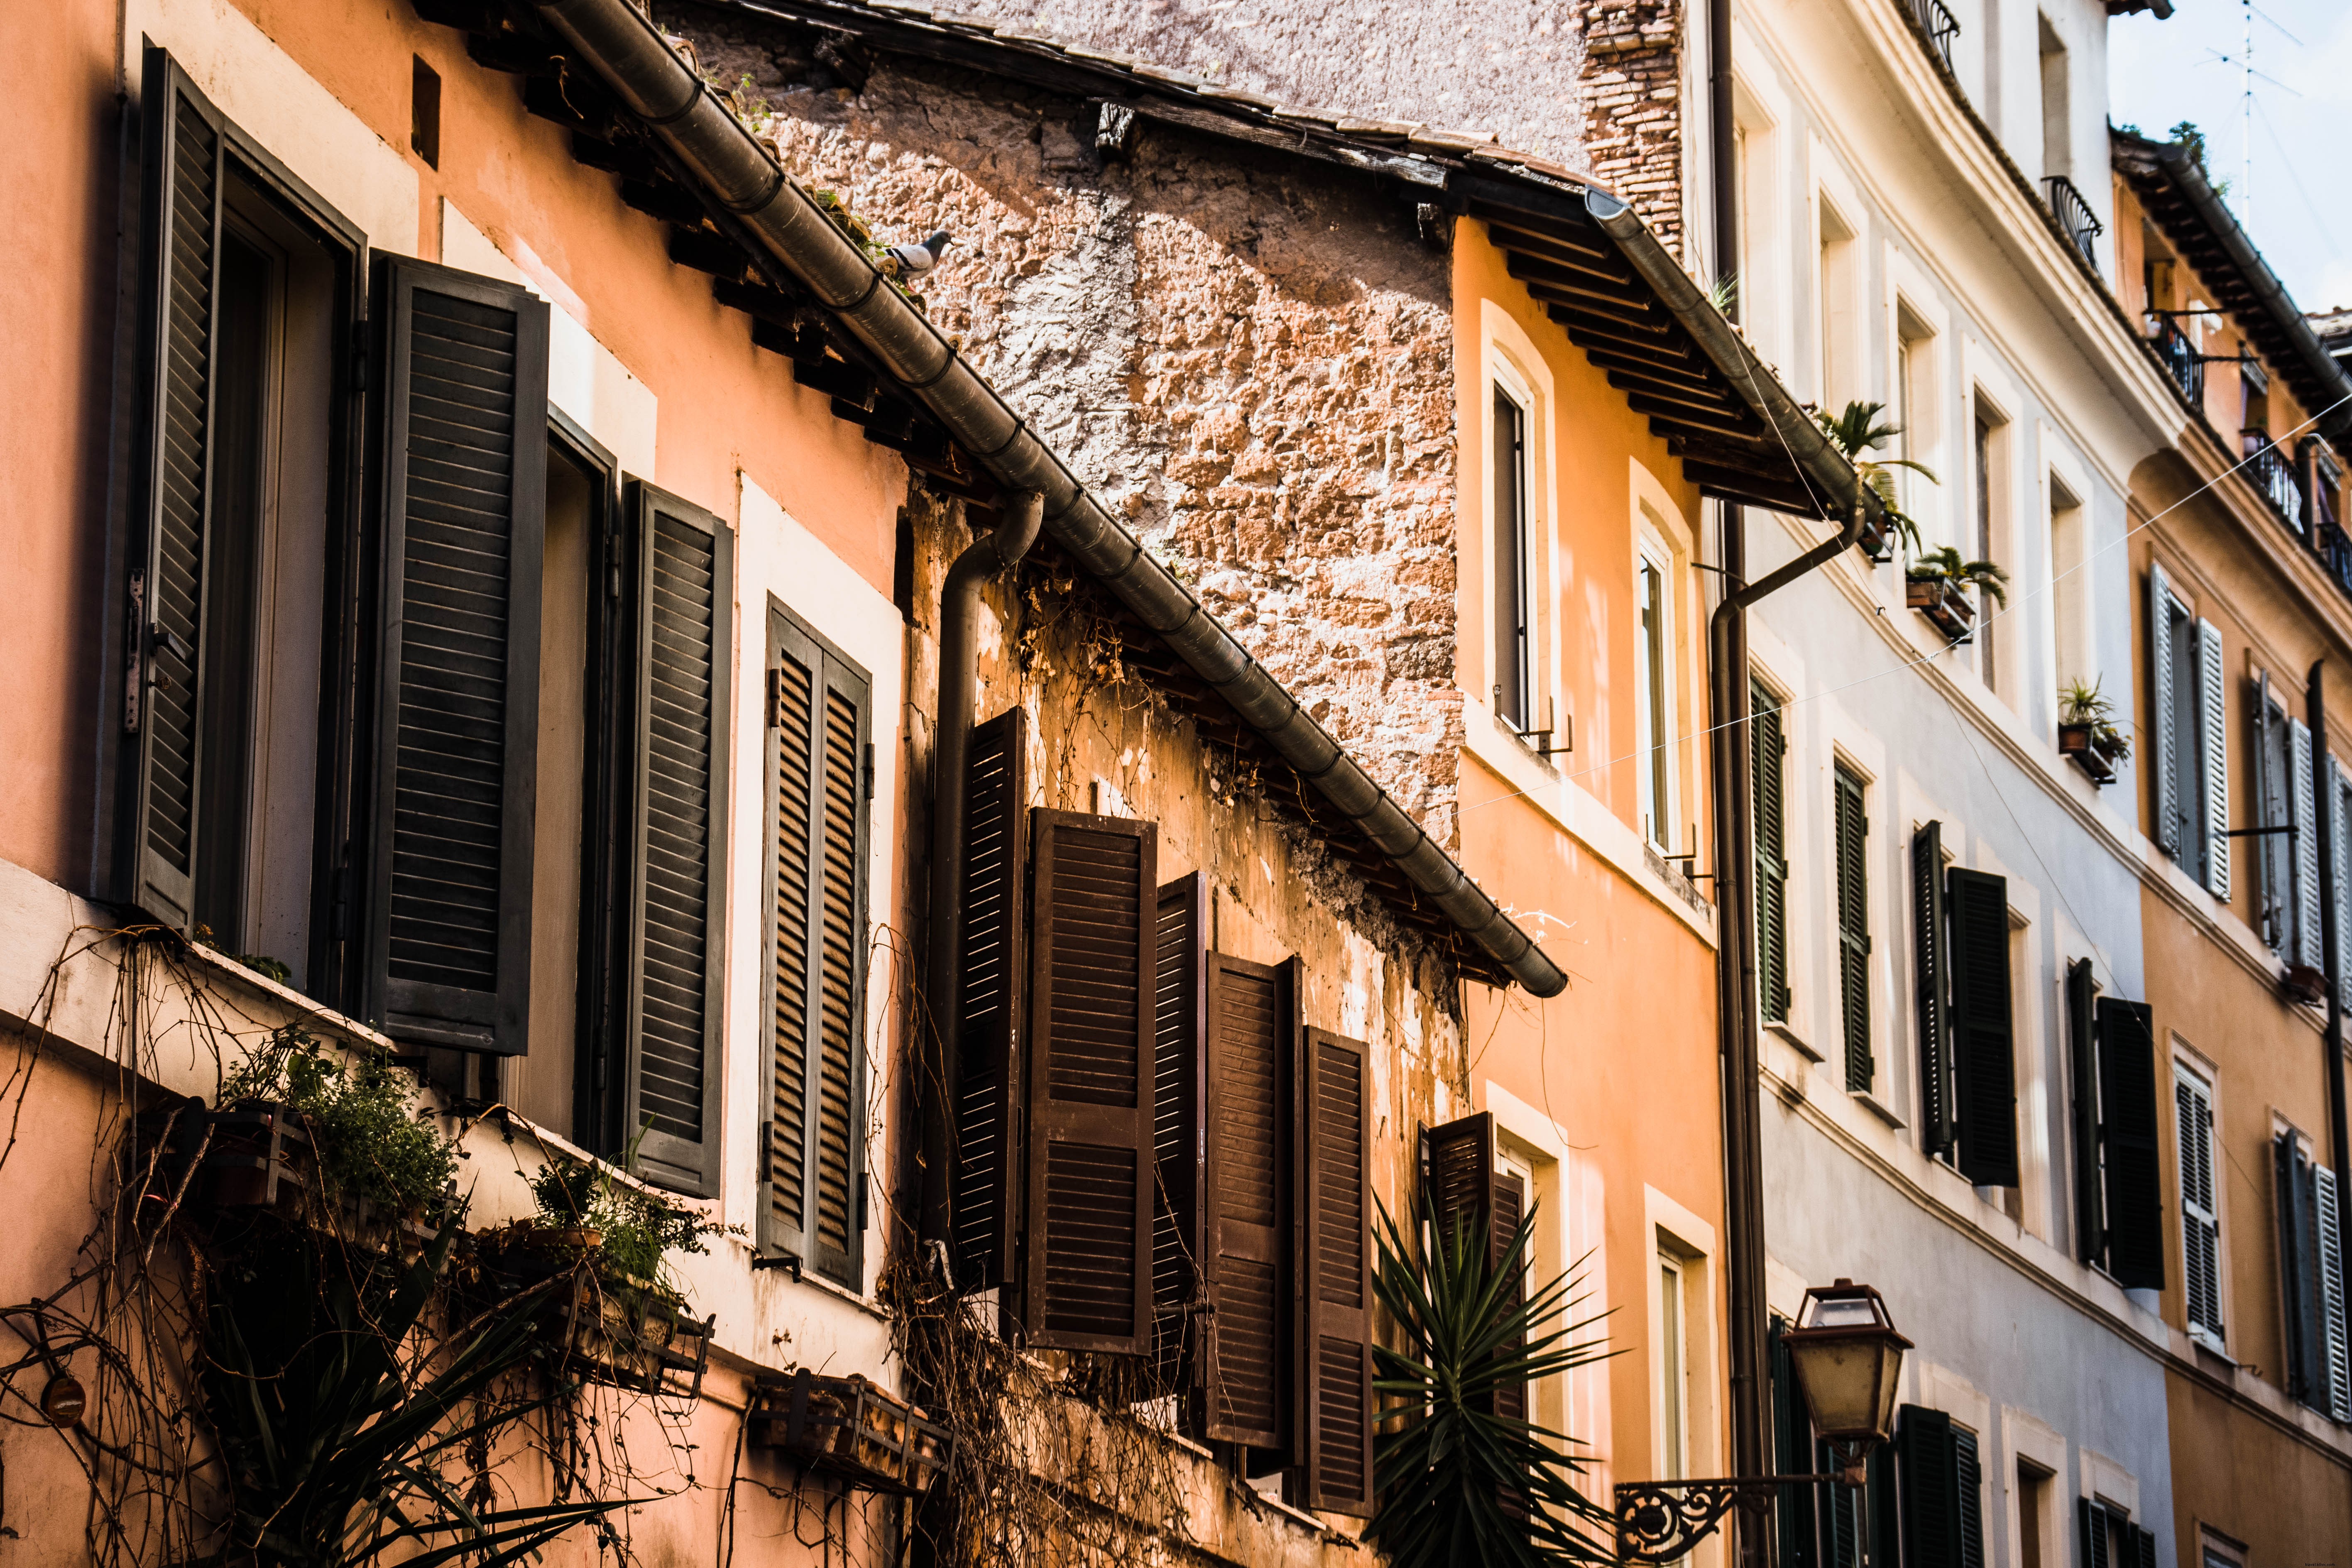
(1460, 1485)
(1858, 430)
(373, 1141)
(2081, 704)
(337, 1421)
(1946, 564)
(636, 1229)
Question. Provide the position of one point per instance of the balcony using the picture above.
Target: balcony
(1940, 26)
(2270, 471)
(2075, 215)
(2186, 366)
(2328, 538)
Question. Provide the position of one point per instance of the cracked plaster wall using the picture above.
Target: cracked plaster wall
(1249, 359)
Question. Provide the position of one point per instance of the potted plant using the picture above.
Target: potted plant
(2087, 731)
(1854, 432)
(1936, 585)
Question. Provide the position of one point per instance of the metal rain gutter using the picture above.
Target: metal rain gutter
(622, 47)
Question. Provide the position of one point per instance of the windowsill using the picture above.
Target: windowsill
(1795, 1040)
(865, 1304)
(351, 1030)
(2202, 1342)
(1879, 1108)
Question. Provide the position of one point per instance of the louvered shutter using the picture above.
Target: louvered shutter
(2297, 1253)
(2093, 1526)
(1929, 1467)
(2135, 1174)
(1844, 1506)
(1935, 1109)
(2272, 894)
(1179, 1116)
(2201, 1232)
(1093, 948)
(2162, 743)
(1507, 1213)
(1245, 1387)
(685, 597)
(991, 1005)
(1457, 1172)
(1767, 761)
(2083, 1060)
(1336, 1350)
(1968, 1484)
(185, 140)
(2339, 860)
(2306, 822)
(2215, 770)
(2335, 1366)
(462, 498)
(2143, 1548)
(818, 717)
(1983, 1053)
(1852, 831)
(1799, 1515)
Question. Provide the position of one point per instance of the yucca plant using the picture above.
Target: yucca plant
(1856, 431)
(1461, 1486)
(336, 1421)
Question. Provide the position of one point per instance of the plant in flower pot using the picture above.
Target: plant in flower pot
(1936, 585)
(618, 1315)
(2087, 730)
(1856, 431)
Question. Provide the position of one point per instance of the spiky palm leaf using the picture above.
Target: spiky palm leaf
(1459, 1485)
(1947, 563)
(1857, 430)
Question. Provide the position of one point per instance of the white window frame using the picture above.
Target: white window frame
(1504, 380)
(1657, 794)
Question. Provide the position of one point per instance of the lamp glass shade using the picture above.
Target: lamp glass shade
(1846, 1356)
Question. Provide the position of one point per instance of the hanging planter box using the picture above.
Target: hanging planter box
(2302, 984)
(850, 1427)
(630, 1334)
(2081, 744)
(260, 1156)
(1945, 603)
(1877, 538)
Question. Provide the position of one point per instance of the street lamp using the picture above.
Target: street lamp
(1845, 1354)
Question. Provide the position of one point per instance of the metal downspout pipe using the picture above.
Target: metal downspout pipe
(938, 1089)
(626, 52)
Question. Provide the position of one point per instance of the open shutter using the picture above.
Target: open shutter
(2325, 1217)
(2092, 1519)
(1179, 1117)
(1968, 1487)
(2083, 1059)
(2161, 741)
(2300, 814)
(2143, 1548)
(1251, 1066)
(2134, 1176)
(685, 597)
(2199, 1230)
(1336, 1351)
(1935, 1109)
(1086, 1241)
(1768, 752)
(1852, 831)
(2272, 895)
(2215, 770)
(1931, 1487)
(1983, 1054)
(990, 991)
(181, 222)
(2339, 860)
(1505, 1214)
(1798, 1517)
(2298, 1284)
(462, 497)
(794, 782)
(1458, 1173)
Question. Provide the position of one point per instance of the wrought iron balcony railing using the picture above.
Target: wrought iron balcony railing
(2328, 537)
(2272, 471)
(1940, 26)
(2075, 215)
(2180, 358)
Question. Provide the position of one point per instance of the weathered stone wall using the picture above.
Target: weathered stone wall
(1248, 357)
(1632, 75)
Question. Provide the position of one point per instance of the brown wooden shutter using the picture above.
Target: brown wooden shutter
(990, 991)
(1458, 1173)
(462, 484)
(684, 644)
(1179, 1117)
(185, 141)
(1336, 1350)
(1507, 1212)
(2135, 1171)
(1246, 1387)
(1984, 1060)
(1936, 1110)
(795, 669)
(1087, 1238)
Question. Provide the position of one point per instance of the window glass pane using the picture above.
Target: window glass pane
(1510, 550)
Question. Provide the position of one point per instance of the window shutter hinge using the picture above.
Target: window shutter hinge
(869, 770)
(134, 674)
(359, 357)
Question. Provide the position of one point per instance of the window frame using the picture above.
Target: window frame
(1657, 778)
(2205, 1087)
(1505, 385)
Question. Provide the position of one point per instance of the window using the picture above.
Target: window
(2311, 1280)
(2200, 1215)
(2057, 112)
(2287, 863)
(1769, 760)
(813, 1141)
(2189, 750)
(1839, 344)
(1968, 1073)
(1828, 1524)
(1673, 1371)
(1850, 828)
(1470, 1183)
(2035, 1489)
(2110, 1539)
(2118, 1200)
(1514, 674)
(1989, 532)
(2073, 644)
(1917, 415)
(1943, 1489)
(1653, 697)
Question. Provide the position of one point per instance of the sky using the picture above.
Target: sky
(2300, 211)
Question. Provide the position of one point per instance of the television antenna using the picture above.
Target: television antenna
(2244, 60)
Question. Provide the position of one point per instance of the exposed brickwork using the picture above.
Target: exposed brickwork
(1632, 106)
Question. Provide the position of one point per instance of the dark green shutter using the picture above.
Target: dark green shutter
(2083, 1059)
(1851, 830)
(1797, 1511)
(1179, 1030)
(1967, 1483)
(185, 140)
(2092, 1518)
(818, 719)
(1093, 953)
(1927, 1460)
(1767, 760)
(463, 461)
(2135, 1173)
(685, 601)
(1983, 1051)
(1247, 1185)
(1335, 1346)
(2298, 1275)
(1935, 1108)
(992, 986)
